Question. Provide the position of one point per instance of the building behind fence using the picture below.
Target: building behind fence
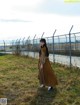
(61, 47)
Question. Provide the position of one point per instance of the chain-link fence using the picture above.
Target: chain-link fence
(64, 49)
(5, 46)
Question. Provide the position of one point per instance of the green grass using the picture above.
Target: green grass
(19, 83)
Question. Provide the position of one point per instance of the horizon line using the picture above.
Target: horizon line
(13, 20)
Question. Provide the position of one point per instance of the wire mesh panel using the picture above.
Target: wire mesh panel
(75, 49)
(5, 46)
(2, 45)
(60, 48)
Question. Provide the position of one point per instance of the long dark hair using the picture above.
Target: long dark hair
(47, 52)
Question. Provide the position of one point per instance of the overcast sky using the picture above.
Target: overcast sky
(21, 18)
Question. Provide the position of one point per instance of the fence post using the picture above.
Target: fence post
(23, 41)
(75, 41)
(4, 46)
(66, 41)
(42, 34)
(20, 46)
(33, 45)
(12, 46)
(47, 41)
(59, 44)
(53, 47)
(23, 45)
(70, 45)
(28, 45)
(16, 47)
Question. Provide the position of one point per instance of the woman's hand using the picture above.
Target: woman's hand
(41, 66)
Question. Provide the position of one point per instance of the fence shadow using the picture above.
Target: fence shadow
(44, 97)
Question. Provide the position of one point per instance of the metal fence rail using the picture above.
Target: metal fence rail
(61, 47)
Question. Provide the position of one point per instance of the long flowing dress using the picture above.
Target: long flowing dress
(46, 75)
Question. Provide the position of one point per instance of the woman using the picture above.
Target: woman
(46, 74)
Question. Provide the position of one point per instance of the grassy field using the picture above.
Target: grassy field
(20, 85)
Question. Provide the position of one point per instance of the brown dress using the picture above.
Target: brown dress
(46, 75)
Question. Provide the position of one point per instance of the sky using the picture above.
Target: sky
(23, 18)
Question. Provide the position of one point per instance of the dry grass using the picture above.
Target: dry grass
(19, 83)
